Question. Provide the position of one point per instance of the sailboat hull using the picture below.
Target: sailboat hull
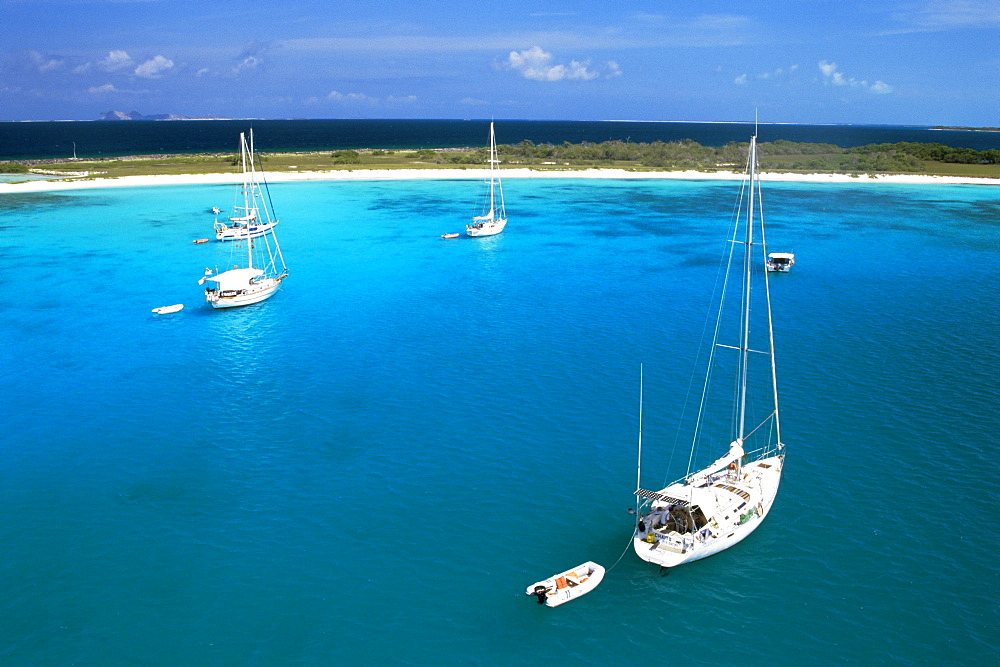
(486, 228)
(263, 289)
(242, 233)
(732, 504)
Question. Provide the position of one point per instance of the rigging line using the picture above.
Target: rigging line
(774, 413)
(268, 211)
(733, 231)
(721, 275)
(770, 322)
(623, 554)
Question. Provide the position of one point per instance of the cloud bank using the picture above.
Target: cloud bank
(831, 75)
(153, 67)
(537, 64)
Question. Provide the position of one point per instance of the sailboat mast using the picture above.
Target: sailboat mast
(493, 159)
(747, 274)
(247, 194)
(638, 467)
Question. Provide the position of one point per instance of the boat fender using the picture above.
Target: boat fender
(760, 509)
(651, 538)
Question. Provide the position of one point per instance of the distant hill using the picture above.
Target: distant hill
(135, 115)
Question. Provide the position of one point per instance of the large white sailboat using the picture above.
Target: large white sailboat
(712, 508)
(258, 266)
(494, 217)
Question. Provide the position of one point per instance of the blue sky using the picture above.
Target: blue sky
(923, 62)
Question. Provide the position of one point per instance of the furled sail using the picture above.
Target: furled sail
(734, 454)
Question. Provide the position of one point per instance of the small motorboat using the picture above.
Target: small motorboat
(164, 310)
(200, 241)
(780, 262)
(450, 236)
(565, 586)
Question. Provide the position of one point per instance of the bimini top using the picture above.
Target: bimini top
(781, 255)
(235, 278)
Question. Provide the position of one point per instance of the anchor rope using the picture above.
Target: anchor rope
(620, 557)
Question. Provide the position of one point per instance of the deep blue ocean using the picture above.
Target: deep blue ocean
(370, 467)
(34, 140)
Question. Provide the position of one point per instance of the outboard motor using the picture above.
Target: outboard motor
(540, 593)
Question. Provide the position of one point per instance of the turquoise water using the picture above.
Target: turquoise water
(372, 465)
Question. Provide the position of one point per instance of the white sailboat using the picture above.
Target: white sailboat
(494, 217)
(259, 265)
(249, 220)
(712, 508)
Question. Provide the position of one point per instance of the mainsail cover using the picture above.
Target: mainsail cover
(488, 216)
(734, 454)
(234, 279)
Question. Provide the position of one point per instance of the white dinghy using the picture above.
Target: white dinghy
(165, 310)
(780, 262)
(569, 585)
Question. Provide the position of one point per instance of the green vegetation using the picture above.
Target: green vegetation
(901, 158)
(346, 157)
(777, 156)
(13, 168)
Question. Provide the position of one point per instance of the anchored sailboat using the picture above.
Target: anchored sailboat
(259, 270)
(711, 509)
(494, 217)
(248, 219)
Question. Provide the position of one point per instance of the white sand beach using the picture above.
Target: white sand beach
(470, 174)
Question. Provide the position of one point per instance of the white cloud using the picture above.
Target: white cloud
(881, 88)
(837, 78)
(943, 15)
(349, 97)
(116, 60)
(202, 72)
(44, 64)
(536, 64)
(82, 69)
(106, 88)
(248, 63)
(153, 67)
(778, 75)
(827, 68)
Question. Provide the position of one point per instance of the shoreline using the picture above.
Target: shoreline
(476, 174)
